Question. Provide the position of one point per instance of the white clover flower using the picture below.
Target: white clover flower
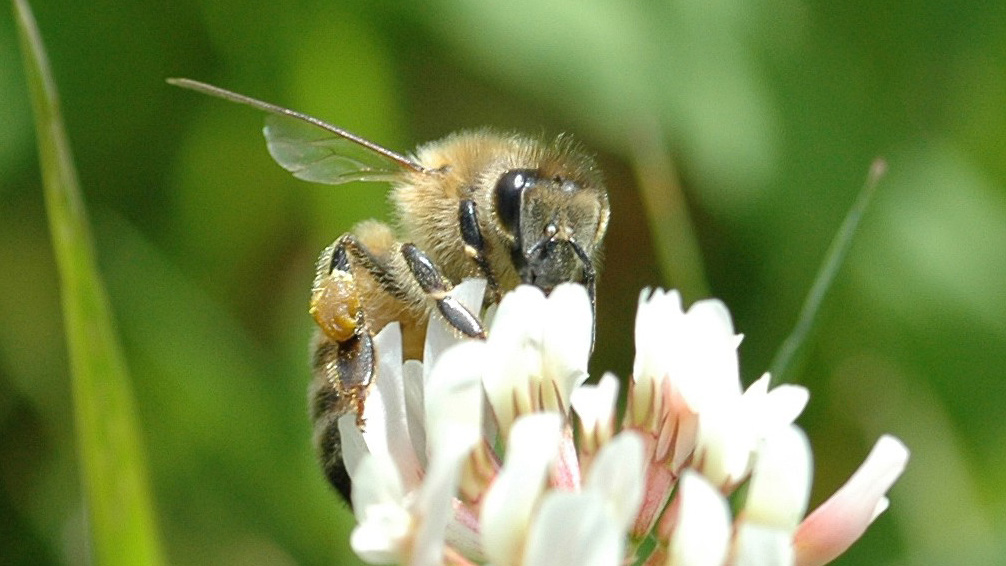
(471, 457)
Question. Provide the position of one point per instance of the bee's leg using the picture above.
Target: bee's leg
(590, 282)
(384, 269)
(436, 287)
(475, 247)
(340, 371)
(343, 359)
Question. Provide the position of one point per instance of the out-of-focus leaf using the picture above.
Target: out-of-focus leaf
(617, 68)
(119, 509)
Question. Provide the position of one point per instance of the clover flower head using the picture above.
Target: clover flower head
(498, 452)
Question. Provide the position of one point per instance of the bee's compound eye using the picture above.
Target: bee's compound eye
(509, 190)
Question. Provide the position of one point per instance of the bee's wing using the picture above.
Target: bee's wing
(315, 150)
(317, 154)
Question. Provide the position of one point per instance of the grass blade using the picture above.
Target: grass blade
(120, 514)
(829, 269)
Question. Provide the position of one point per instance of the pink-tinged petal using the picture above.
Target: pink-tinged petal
(573, 529)
(617, 476)
(679, 432)
(762, 545)
(780, 480)
(844, 517)
(507, 507)
(659, 482)
(702, 528)
(566, 474)
(463, 532)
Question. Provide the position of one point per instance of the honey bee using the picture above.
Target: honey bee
(508, 208)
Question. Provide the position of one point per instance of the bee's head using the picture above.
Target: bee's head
(555, 221)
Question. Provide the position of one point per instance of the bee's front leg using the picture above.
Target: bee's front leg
(436, 286)
(475, 246)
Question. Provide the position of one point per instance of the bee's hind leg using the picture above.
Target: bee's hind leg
(367, 265)
(342, 359)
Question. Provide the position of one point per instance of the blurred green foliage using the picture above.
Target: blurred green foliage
(122, 525)
(762, 117)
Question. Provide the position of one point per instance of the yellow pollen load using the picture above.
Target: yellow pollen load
(335, 306)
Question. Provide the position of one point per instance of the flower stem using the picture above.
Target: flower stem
(826, 275)
(673, 231)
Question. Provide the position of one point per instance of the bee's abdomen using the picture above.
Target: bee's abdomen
(328, 443)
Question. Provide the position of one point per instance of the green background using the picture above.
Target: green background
(762, 116)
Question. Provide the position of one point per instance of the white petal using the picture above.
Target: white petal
(354, 447)
(776, 408)
(760, 386)
(415, 407)
(506, 509)
(714, 315)
(383, 522)
(657, 313)
(389, 430)
(658, 320)
(696, 350)
(780, 480)
(724, 442)
(439, 334)
(760, 545)
(704, 356)
(702, 532)
(454, 397)
(595, 404)
(514, 353)
(435, 504)
(387, 344)
(573, 529)
(470, 293)
(567, 336)
(785, 403)
(618, 476)
(844, 517)
(379, 483)
(379, 540)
